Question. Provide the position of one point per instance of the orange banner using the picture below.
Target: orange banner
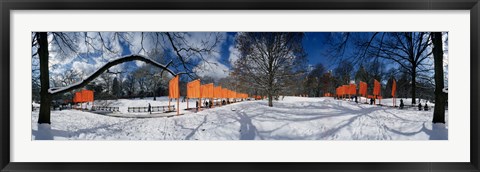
(173, 89)
(376, 88)
(360, 88)
(217, 92)
(83, 96)
(342, 90)
(193, 89)
(394, 88)
(352, 89)
(78, 97)
(87, 95)
(224, 93)
(207, 91)
(363, 89)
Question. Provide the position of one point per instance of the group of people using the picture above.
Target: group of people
(352, 98)
(424, 108)
(420, 107)
(206, 104)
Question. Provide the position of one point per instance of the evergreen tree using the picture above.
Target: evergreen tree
(116, 88)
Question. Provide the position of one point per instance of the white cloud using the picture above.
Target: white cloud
(83, 67)
(215, 70)
(310, 68)
(234, 54)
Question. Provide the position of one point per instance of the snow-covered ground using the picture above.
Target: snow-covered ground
(294, 118)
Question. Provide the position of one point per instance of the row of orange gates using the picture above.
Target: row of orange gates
(351, 90)
(197, 91)
(194, 91)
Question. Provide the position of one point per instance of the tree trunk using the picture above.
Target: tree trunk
(440, 97)
(414, 85)
(154, 91)
(270, 81)
(270, 102)
(269, 91)
(269, 95)
(45, 97)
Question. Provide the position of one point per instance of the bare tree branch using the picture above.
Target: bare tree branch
(55, 91)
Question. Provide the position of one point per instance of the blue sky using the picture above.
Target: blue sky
(313, 45)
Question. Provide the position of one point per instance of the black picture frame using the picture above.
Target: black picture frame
(9, 5)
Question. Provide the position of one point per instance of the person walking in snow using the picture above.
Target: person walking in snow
(401, 104)
(419, 106)
(149, 108)
(426, 107)
(356, 100)
(196, 105)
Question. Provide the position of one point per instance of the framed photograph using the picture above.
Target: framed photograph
(249, 86)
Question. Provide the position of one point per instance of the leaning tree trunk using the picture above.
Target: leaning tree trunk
(440, 97)
(45, 97)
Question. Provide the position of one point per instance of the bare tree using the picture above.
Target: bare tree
(362, 75)
(268, 59)
(129, 85)
(116, 88)
(315, 81)
(409, 50)
(66, 78)
(107, 81)
(344, 72)
(147, 80)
